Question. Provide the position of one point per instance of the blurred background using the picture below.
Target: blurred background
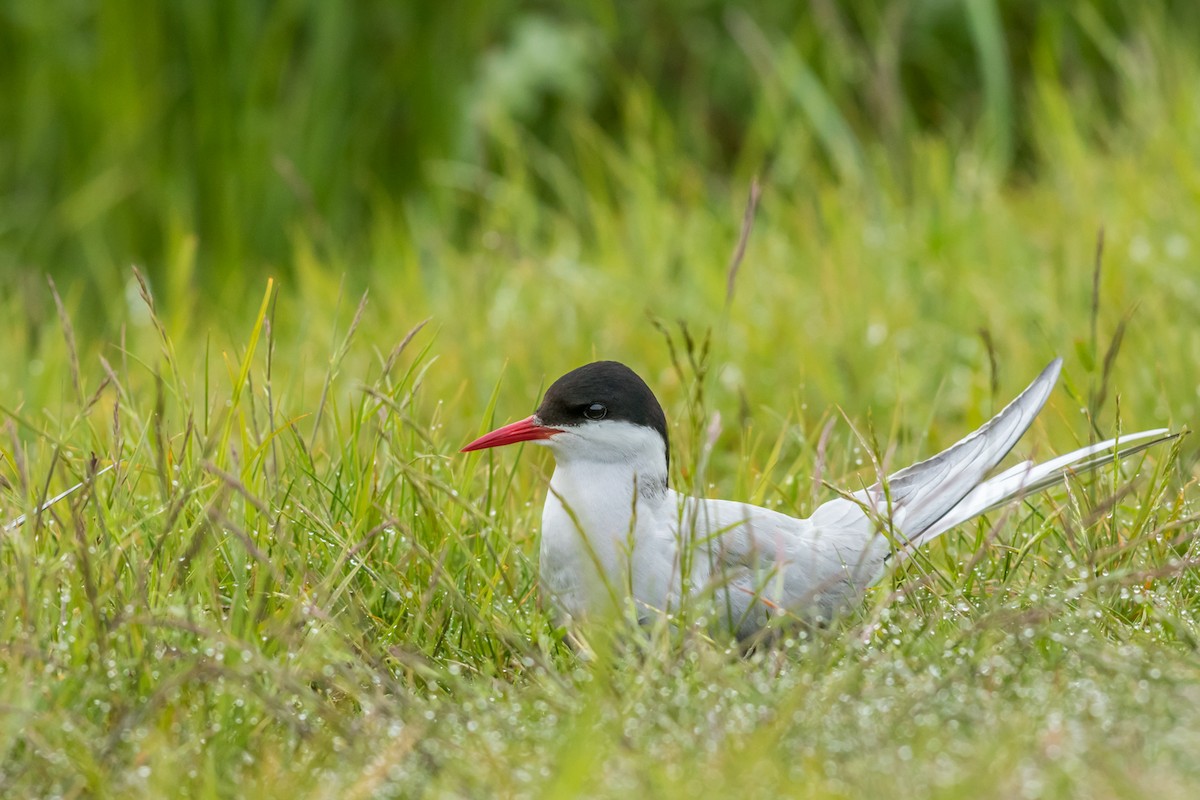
(521, 170)
(211, 143)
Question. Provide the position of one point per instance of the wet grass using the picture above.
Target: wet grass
(291, 584)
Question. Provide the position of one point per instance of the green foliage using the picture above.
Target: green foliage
(209, 142)
(291, 584)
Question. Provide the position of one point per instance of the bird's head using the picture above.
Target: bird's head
(598, 412)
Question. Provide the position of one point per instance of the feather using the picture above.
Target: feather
(920, 495)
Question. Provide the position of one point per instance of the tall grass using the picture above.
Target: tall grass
(290, 583)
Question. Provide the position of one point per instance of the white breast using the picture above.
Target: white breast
(605, 540)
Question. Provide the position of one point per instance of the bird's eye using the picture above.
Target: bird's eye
(596, 411)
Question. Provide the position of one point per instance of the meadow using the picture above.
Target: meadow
(280, 578)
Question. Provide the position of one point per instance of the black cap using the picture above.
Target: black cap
(602, 390)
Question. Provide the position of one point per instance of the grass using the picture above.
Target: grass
(291, 584)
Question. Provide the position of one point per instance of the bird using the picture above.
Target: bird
(616, 537)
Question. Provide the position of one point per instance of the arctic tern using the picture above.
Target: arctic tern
(616, 536)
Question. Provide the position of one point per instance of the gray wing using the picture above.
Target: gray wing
(923, 493)
(761, 562)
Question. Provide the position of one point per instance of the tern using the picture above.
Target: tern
(616, 536)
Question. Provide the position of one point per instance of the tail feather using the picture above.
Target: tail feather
(1027, 478)
(922, 494)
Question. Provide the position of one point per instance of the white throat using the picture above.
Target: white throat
(616, 454)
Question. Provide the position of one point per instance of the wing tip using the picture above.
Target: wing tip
(1052, 371)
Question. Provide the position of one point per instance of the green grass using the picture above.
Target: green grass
(291, 584)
